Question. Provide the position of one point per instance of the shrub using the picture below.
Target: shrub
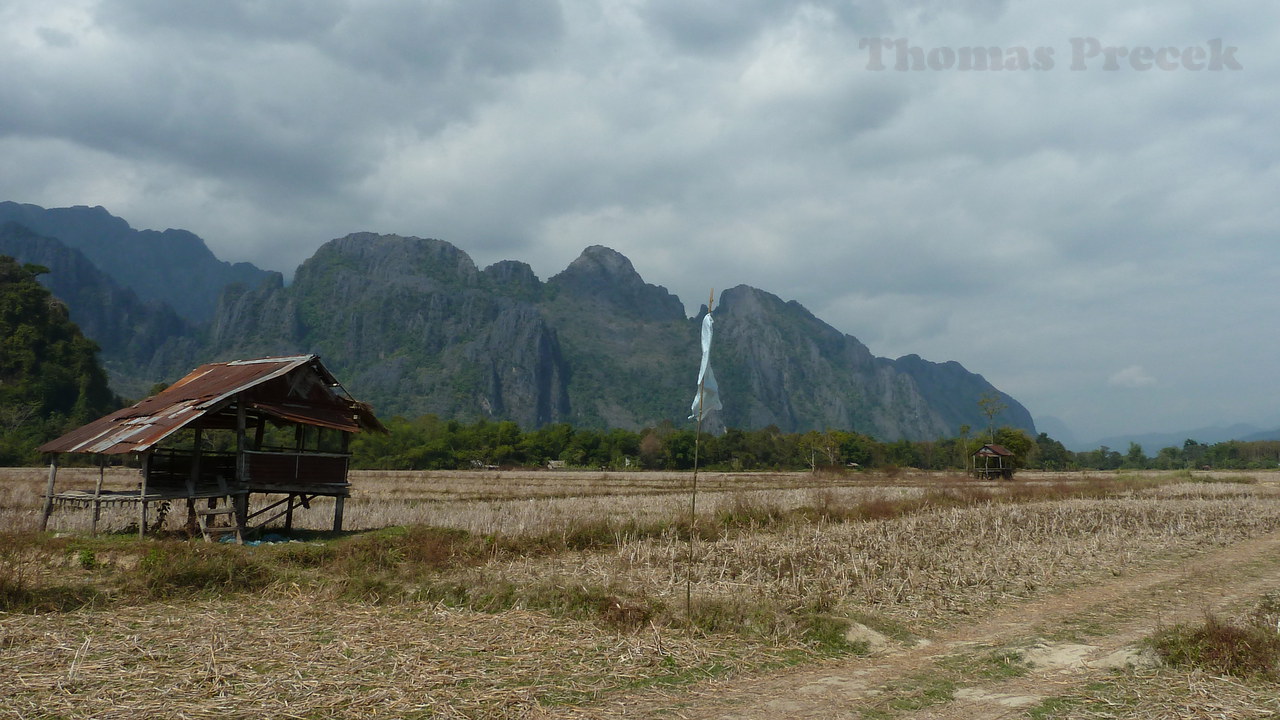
(748, 511)
(179, 568)
(373, 552)
(437, 548)
(1251, 649)
(829, 633)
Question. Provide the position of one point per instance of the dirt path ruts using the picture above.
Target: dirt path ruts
(1090, 626)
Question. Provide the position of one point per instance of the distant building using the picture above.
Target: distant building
(991, 461)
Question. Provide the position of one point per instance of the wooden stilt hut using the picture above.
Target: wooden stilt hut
(993, 461)
(278, 427)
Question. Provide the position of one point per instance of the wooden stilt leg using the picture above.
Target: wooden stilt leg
(48, 494)
(337, 513)
(97, 496)
(142, 497)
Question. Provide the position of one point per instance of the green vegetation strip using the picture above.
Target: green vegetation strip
(938, 685)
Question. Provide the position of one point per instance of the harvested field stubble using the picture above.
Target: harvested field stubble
(929, 566)
(282, 657)
(497, 614)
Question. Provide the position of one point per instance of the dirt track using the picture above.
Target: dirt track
(1068, 640)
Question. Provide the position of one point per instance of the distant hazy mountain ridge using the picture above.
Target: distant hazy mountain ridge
(139, 340)
(413, 326)
(173, 266)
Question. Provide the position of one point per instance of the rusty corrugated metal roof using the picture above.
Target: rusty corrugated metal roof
(304, 392)
(991, 450)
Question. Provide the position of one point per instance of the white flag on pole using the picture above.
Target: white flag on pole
(707, 398)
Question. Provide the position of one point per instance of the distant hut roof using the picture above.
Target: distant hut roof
(296, 389)
(993, 450)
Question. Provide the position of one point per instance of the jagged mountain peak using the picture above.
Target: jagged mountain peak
(607, 277)
(136, 336)
(750, 306)
(396, 259)
(745, 298)
(511, 269)
(601, 260)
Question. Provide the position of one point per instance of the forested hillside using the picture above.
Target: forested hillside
(50, 379)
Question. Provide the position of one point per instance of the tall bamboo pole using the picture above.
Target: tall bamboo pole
(693, 496)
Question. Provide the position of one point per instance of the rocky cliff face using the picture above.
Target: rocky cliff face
(411, 325)
(780, 365)
(953, 394)
(417, 328)
(628, 343)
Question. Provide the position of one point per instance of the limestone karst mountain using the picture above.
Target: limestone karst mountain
(413, 326)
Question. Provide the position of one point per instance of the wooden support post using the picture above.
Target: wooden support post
(48, 494)
(97, 495)
(337, 513)
(242, 466)
(242, 512)
(288, 514)
(241, 474)
(142, 496)
(193, 481)
(259, 433)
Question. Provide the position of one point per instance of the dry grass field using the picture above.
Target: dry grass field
(539, 594)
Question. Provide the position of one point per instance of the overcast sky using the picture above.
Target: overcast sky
(1099, 243)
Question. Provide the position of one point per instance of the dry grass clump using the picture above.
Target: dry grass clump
(32, 580)
(1167, 694)
(1248, 647)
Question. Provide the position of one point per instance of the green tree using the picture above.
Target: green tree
(991, 406)
(1051, 454)
(1135, 459)
(1017, 442)
(1194, 453)
(1169, 458)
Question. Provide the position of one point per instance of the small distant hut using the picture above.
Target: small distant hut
(992, 461)
(278, 427)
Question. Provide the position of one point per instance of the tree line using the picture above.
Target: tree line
(433, 443)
